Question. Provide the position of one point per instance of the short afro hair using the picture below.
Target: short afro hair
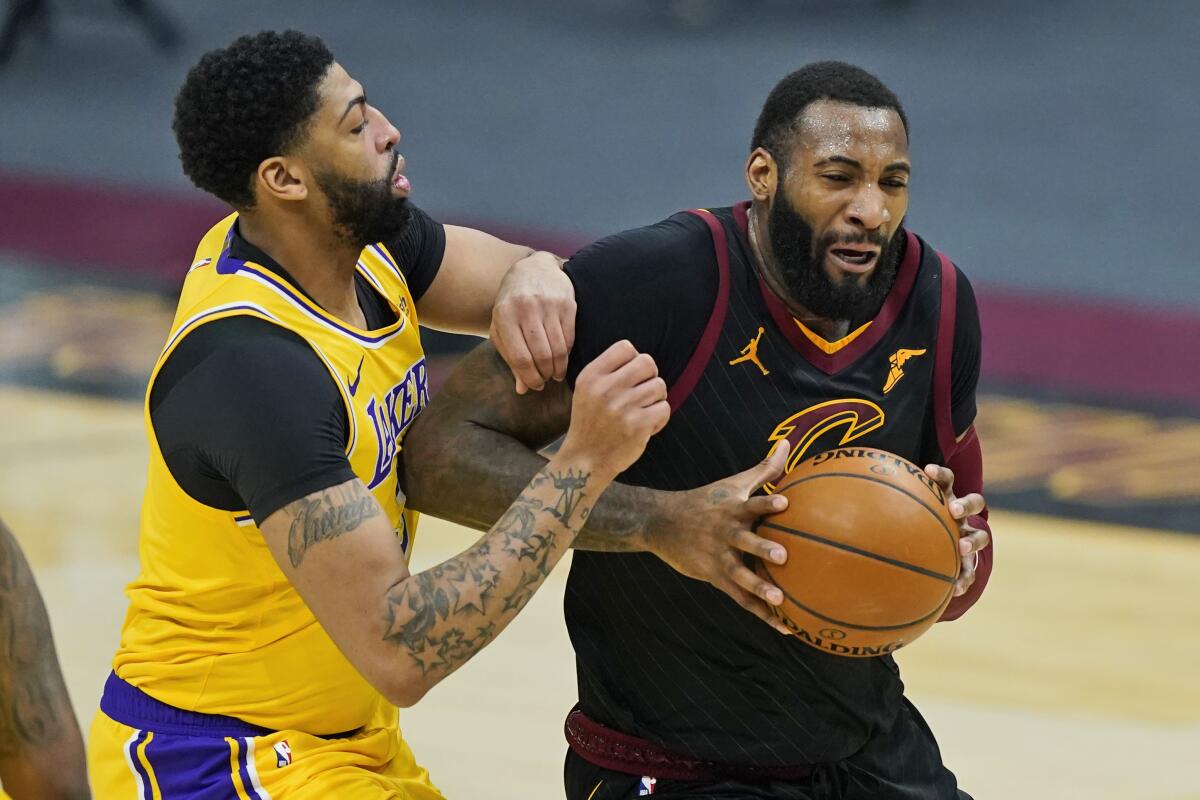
(821, 80)
(244, 103)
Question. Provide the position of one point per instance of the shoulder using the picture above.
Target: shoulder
(245, 340)
(669, 260)
(675, 239)
(241, 355)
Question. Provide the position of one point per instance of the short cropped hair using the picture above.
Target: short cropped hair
(244, 103)
(821, 80)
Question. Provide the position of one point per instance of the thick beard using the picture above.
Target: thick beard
(365, 212)
(800, 262)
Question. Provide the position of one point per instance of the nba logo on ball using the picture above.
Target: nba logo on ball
(647, 786)
(283, 754)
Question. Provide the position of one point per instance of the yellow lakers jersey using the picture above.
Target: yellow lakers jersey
(213, 625)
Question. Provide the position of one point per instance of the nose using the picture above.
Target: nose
(391, 134)
(868, 208)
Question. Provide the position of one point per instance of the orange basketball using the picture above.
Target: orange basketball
(872, 551)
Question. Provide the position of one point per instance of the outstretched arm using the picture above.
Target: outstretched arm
(41, 750)
(474, 447)
(407, 632)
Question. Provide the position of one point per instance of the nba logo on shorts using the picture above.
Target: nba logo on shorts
(283, 754)
(646, 786)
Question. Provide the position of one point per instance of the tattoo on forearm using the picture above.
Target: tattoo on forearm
(446, 478)
(333, 512)
(443, 616)
(34, 707)
(571, 487)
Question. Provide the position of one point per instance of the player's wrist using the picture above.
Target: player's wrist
(583, 460)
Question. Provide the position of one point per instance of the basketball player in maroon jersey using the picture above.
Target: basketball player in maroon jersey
(809, 314)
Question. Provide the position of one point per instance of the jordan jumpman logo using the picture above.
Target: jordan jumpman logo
(750, 353)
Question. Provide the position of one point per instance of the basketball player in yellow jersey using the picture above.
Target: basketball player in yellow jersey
(275, 627)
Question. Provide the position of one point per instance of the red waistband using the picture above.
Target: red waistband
(600, 745)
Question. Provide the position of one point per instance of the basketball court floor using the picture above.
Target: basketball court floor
(1075, 677)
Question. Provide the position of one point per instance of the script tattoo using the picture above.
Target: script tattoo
(327, 515)
(33, 697)
(441, 617)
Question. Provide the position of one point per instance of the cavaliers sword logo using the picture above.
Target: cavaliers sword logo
(896, 360)
(850, 417)
(750, 353)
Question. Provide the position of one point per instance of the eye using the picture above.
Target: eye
(359, 129)
(836, 176)
(895, 183)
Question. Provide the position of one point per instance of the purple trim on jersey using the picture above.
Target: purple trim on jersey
(387, 257)
(228, 265)
(943, 416)
(832, 363)
(244, 771)
(712, 331)
(147, 786)
(190, 767)
(197, 320)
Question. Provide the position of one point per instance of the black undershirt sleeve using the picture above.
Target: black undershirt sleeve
(654, 286)
(248, 417)
(965, 359)
(419, 250)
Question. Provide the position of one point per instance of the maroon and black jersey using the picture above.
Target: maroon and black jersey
(673, 660)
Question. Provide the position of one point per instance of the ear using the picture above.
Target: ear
(762, 175)
(282, 178)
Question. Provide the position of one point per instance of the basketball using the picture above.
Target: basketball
(872, 551)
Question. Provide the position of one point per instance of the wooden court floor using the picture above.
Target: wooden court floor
(1077, 676)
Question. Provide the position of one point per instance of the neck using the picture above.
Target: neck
(319, 261)
(768, 267)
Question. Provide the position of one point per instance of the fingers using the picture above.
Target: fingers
(762, 505)
(966, 576)
(972, 541)
(659, 414)
(649, 392)
(613, 358)
(942, 475)
(510, 342)
(755, 545)
(967, 506)
(768, 469)
(566, 323)
(969, 545)
(538, 344)
(635, 371)
(559, 348)
(755, 606)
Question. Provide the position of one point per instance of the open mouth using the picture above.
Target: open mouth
(853, 259)
(399, 181)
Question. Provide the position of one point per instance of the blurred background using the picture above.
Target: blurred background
(1054, 152)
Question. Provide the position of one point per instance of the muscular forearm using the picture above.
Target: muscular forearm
(458, 468)
(41, 751)
(439, 619)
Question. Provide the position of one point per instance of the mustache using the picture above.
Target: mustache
(867, 237)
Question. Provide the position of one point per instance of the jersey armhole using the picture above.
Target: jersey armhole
(683, 386)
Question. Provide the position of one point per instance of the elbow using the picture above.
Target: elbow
(406, 690)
